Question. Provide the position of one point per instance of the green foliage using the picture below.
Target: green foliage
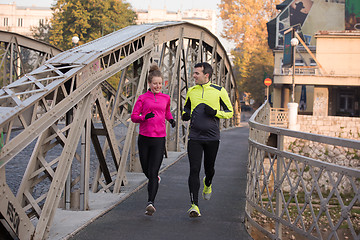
(114, 80)
(88, 19)
(42, 32)
(252, 77)
(326, 152)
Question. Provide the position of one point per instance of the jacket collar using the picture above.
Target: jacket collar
(205, 84)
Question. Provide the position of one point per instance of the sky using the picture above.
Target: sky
(170, 5)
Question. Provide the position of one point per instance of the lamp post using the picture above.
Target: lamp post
(293, 106)
(75, 40)
(294, 42)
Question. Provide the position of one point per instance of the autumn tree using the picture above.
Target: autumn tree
(88, 19)
(245, 25)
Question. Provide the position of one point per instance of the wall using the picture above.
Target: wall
(339, 52)
(341, 127)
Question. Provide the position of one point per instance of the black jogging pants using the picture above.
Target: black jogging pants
(151, 153)
(196, 148)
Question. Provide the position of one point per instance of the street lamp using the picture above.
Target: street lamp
(293, 106)
(294, 42)
(75, 40)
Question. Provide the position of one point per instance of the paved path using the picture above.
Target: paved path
(222, 216)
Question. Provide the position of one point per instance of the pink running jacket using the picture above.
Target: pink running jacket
(159, 104)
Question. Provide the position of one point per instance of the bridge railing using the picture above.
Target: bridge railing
(290, 195)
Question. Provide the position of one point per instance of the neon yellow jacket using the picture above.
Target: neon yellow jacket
(203, 126)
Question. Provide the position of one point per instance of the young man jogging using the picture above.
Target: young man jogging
(205, 103)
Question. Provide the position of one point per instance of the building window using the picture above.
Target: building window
(20, 22)
(299, 62)
(312, 64)
(346, 104)
(6, 22)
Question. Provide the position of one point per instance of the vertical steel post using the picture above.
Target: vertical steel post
(82, 169)
(11, 64)
(69, 119)
(278, 188)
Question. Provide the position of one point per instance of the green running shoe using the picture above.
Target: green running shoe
(206, 194)
(194, 211)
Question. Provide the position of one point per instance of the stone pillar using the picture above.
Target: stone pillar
(286, 96)
(276, 99)
(321, 101)
(293, 112)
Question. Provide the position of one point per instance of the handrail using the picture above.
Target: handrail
(294, 192)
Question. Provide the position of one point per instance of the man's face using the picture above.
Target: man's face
(200, 77)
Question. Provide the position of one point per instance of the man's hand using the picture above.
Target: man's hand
(185, 117)
(210, 111)
(172, 122)
(149, 115)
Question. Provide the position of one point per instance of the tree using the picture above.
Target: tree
(42, 32)
(245, 25)
(88, 19)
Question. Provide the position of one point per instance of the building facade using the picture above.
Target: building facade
(21, 19)
(202, 17)
(326, 73)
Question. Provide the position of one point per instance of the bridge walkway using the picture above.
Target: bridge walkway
(222, 216)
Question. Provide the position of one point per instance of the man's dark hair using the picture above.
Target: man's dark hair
(207, 69)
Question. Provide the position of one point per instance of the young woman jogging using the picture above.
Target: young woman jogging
(151, 110)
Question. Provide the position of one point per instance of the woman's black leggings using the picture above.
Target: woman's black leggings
(196, 148)
(151, 152)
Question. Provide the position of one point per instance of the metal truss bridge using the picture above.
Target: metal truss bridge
(65, 104)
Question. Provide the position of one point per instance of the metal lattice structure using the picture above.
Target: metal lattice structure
(288, 192)
(55, 105)
(21, 54)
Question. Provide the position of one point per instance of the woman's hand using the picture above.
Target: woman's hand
(172, 122)
(149, 115)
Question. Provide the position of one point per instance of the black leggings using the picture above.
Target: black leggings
(151, 152)
(196, 148)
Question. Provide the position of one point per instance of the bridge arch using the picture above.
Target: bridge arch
(21, 54)
(56, 106)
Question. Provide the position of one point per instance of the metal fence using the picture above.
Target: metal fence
(279, 117)
(294, 196)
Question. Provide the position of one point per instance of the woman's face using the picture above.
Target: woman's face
(156, 84)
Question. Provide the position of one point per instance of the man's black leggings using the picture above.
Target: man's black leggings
(151, 152)
(196, 148)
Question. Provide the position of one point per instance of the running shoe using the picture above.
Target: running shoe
(194, 211)
(150, 209)
(159, 179)
(206, 194)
